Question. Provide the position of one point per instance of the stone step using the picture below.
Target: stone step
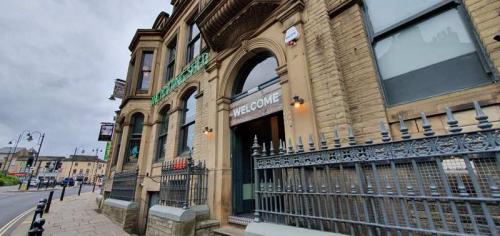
(230, 230)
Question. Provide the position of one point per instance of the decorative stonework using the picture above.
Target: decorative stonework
(224, 23)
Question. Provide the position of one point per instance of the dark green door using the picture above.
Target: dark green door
(267, 129)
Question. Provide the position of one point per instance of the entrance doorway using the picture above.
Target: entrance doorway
(268, 128)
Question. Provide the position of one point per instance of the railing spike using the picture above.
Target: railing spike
(282, 148)
(461, 187)
(350, 136)
(310, 141)
(323, 142)
(403, 129)
(336, 138)
(426, 125)
(290, 146)
(452, 122)
(300, 146)
(256, 147)
(271, 149)
(495, 191)
(264, 151)
(384, 132)
(433, 187)
(481, 117)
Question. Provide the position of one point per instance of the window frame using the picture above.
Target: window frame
(191, 42)
(134, 137)
(170, 60)
(417, 18)
(184, 127)
(140, 79)
(162, 134)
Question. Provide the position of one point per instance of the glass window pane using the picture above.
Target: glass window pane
(189, 137)
(190, 109)
(437, 39)
(262, 72)
(146, 78)
(384, 13)
(194, 31)
(196, 48)
(137, 123)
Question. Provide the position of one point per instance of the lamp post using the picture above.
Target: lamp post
(94, 167)
(73, 159)
(5, 168)
(40, 143)
(9, 157)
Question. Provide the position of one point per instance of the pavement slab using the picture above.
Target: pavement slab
(76, 215)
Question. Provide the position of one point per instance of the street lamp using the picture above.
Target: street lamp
(73, 160)
(9, 157)
(40, 143)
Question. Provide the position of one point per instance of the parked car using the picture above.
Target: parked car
(69, 182)
(34, 182)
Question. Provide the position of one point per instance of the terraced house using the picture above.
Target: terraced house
(350, 116)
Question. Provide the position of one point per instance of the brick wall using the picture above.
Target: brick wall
(485, 16)
(326, 79)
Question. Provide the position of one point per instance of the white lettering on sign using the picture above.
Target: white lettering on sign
(291, 34)
(257, 104)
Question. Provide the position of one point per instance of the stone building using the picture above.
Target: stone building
(86, 167)
(208, 77)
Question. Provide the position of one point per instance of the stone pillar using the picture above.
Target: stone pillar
(123, 148)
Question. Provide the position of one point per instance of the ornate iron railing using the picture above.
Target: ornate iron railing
(183, 183)
(124, 185)
(445, 185)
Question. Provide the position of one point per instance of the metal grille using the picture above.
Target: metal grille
(183, 183)
(444, 184)
(123, 187)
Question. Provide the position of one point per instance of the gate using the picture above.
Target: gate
(446, 184)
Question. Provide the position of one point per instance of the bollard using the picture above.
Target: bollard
(38, 186)
(80, 189)
(93, 188)
(42, 201)
(49, 201)
(20, 184)
(38, 211)
(62, 192)
(37, 229)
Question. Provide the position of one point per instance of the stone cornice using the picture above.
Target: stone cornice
(224, 22)
(335, 9)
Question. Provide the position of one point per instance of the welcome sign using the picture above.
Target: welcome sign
(261, 103)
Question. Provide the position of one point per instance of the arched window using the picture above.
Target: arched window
(162, 134)
(134, 141)
(256, 72)
(187, 123)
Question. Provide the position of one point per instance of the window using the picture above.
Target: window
(194, 42)
(187, 123)
(76, 163)
(162, 134)
(136, 124)
(74, 171)
(87, 171)
(145, 73)
(423, 48)
(170, 67)
(88, 163)
(256, 72)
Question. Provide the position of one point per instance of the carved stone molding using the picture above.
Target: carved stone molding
(225, 22)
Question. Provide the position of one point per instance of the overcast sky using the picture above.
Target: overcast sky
(58, 62)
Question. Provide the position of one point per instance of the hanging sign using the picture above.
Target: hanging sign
(198, 63)
(258, 104)
(106, 131)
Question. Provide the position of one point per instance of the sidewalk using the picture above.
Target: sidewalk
(76, 215)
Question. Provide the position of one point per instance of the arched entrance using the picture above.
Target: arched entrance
(255, 109)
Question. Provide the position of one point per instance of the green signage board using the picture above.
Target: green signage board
(107, 150)
(198, 63)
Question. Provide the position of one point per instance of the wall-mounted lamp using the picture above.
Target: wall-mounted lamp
(297, 101)
(207, 130)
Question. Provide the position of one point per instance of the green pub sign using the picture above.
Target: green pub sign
(198, 63)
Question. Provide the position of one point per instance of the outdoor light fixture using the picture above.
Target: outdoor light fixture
(207, 130)
(30, 138)
(297, 101)
(112, 97)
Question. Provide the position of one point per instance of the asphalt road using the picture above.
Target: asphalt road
(14, 203)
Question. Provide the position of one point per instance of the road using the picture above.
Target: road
(14, 203)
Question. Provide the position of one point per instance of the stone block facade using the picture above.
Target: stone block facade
(123, 213)
(164, 220)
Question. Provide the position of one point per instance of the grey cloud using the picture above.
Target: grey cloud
(58, 62)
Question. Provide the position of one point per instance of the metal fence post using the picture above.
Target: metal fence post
(49, 201)
(80, 188)
(62, 192)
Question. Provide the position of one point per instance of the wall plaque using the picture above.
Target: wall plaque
(256, 105)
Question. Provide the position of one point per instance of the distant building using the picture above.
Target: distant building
(8, 157)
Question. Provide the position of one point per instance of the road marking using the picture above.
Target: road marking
(6, 227)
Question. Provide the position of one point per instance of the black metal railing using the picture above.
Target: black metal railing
(444, 185)
(124, 185)
(183, 183)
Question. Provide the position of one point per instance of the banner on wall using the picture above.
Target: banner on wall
(107, 150)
